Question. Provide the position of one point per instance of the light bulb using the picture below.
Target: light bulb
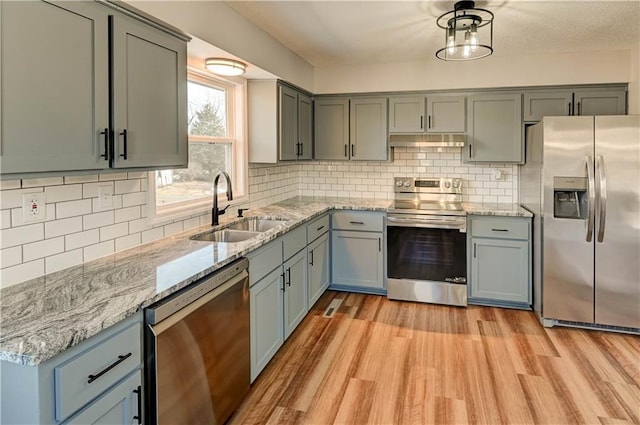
(466, 50)
(474, 37)
(451, 40)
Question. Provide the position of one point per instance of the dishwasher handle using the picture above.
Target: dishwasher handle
(165, 324)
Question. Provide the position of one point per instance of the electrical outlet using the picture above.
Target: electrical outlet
(105, 196)
(34, 207)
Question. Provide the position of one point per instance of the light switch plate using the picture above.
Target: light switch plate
(34, 207)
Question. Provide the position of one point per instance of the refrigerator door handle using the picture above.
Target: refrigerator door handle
(602, 202)
(592, 198)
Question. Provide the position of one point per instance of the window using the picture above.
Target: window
(215, 144)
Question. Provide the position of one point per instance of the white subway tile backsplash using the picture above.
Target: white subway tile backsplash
(13, 198)
(138, 175)
(16, 215)
(20, 273)
(10, 256)
(90, 190)
(173, 228)
(129, 241)
(114, 231)
(139, 225)
(10, 184)
(82, 239)
(68, 192)
(127, 186)
(5, 219)
(97, 205)
(73, 208)
(127, 214)
(62, 261)
(62, 227)
(22, 235)
(80, 179)
(41, 249)
(112, 176)
(102, 249)
(136, 198)
(91, 221)
(152, 235)
(48, 181)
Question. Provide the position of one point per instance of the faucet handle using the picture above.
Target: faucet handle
(240, 210)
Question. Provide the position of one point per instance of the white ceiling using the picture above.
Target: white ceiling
(333, 33)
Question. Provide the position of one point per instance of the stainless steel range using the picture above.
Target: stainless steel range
(426, 242)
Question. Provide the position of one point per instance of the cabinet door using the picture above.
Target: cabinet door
(494, 128)
(295, 292)
(305, 126)
(368, 129)
(331, 129)
(357, 259)
(500, 270)
(150, 96)
(120, 405)
(318, 253)
(289, 144)
(599, 102)
(406, 114)
(446, 114)
(55, 86)
(547, 104)
(266, 314)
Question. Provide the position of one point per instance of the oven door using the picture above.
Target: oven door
(427, 264)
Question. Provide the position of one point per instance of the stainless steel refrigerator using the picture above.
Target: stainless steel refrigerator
(581, 180)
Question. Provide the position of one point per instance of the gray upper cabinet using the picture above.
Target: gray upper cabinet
(55, 117)
(150, 96)
(494, 128)
(351, 129)
(588, 101)
(444, 114)
(331, 129)
(54, 85)
(368, 129)
(280, 122)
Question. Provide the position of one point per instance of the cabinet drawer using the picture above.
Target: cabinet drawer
(294, 241)
(265, 260)
(317, 227)
(358, 220)
(500, 228)
(104, 364)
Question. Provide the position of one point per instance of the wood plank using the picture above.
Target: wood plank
(356, 403)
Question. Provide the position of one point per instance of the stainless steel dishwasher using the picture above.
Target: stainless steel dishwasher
(197, 350)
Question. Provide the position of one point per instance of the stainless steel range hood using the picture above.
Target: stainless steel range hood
(432, 140)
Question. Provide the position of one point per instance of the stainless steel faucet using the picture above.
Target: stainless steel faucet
(215, 212)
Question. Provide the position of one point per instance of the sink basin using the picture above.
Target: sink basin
(256, 224)
(226, 236)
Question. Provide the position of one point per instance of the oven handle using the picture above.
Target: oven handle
(427, 224)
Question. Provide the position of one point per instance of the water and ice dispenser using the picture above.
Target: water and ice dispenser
(570, 197)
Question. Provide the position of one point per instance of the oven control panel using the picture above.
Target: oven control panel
(427, 185)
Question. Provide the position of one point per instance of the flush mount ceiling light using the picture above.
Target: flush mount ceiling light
(223, 66)
(468, 32)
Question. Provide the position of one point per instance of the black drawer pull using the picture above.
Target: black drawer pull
(356, 222)
(121, 358)
(105, 155)
(124, 144)
(311, 262)
(289, 276)
(499, 230)
(320, 228)
(138, 392)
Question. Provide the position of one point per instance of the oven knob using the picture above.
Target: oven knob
(399, 183)
(447, 184)
(407, 183)
(456, 184)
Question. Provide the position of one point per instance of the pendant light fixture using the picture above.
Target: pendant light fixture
(223, 66)
(468, 32)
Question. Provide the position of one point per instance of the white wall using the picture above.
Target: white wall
(493, 71)
(221, 26)
(634, 82)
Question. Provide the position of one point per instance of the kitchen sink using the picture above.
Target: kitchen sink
(226, 236)
(256, 224)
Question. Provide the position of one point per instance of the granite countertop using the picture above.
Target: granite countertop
(47, 315)
(507, 210)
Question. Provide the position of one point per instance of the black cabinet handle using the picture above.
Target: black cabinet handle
(353, 150)
(379, 244)
(320, 228)
(121, 358)
(284, 281)
(569, 111)
(356, 222)
(470, 155)
(345, 151)
(138, 392)
(429, 125)
(301, 149)
(499, 230)
(421, 122)
(289, 276)
(105, 155)
(474, 250)
(124, 144)
(311, 262)
(579, 112)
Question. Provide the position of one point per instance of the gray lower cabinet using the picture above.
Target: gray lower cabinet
(499, 252)
(494, 128)
(563, 102)
(55, 117)
(319, 276)
(357, 251)
(96, 381)
(295, 293)
(350, 128)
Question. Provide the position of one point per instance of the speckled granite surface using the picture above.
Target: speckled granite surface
(508, 210)
(42, 317)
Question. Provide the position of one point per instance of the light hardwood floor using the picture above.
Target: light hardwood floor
(378, 361)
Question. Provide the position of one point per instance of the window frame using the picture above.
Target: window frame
(235, 90)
